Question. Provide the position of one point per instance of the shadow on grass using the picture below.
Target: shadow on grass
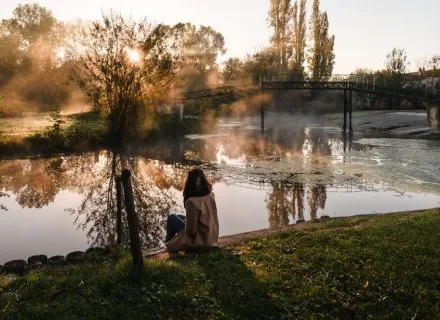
(231, 288)
(211, 285)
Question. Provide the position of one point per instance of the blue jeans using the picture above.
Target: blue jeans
(175, 223)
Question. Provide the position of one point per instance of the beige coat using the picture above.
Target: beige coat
(201, 225)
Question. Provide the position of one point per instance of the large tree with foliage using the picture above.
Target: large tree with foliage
(23, 37)
(34, 22)
(327, 46)
(280, 18)
(321, 56)
(10, 53)
(435, 61)
(197, 50)
(261, 63)
(299, 35)
(122, 63)
(233, 70)
(396, 62)
(29, 43)
(435, 64)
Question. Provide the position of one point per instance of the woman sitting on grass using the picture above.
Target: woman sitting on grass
(199, 229)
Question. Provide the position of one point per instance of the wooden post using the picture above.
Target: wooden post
(118, 185)
(133, 222)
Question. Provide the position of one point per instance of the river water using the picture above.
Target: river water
(299, 169)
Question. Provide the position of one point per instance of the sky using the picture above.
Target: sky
(365, 30)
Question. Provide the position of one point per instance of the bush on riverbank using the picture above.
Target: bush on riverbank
(356, 268)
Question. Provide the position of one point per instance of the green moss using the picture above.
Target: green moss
(374, 267)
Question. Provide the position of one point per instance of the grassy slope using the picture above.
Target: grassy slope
(355, 268)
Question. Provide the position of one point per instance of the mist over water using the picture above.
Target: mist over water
(296, 170)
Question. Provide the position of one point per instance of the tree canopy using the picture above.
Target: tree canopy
(396, 62)
(121, 61)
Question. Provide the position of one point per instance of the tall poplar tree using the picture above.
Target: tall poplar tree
(327, 45)
(321, 57)
(299, 36)
(280, 18)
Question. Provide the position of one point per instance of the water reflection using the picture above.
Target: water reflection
(290, 173)
(316, 197)
(2, 207)
(36, 182)
(32, 182)
(151, 182)
(287, 198)
(286, 202)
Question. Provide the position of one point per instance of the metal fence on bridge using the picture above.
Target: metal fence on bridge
(412, 87)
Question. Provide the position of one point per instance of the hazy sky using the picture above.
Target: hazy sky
(365, 30)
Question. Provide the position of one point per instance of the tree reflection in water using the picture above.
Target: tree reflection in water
(297, 203)
(317, 196)
(2, 207)
(36, 182)
(288, 197)
(152, 195)
(33, 182)
(278, 206)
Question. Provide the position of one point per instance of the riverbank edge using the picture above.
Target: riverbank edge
(223, 241)
(377, 266)
(229, 240)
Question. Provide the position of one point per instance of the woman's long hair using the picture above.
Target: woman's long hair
(196, 185)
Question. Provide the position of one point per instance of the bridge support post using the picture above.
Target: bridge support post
(350, 106)
(344, 127)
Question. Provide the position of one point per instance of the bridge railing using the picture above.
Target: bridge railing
(406, 86)
(409, 85)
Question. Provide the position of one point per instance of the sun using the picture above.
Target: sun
(133, 55)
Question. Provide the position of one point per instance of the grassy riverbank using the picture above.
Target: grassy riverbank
(80, 132)
(355, 268)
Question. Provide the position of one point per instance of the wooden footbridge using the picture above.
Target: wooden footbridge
(415, 88)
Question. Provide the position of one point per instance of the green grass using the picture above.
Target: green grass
(77, 133)
(375, 267)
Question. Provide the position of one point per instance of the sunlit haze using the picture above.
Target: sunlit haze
(133, 55)
(365, 30)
